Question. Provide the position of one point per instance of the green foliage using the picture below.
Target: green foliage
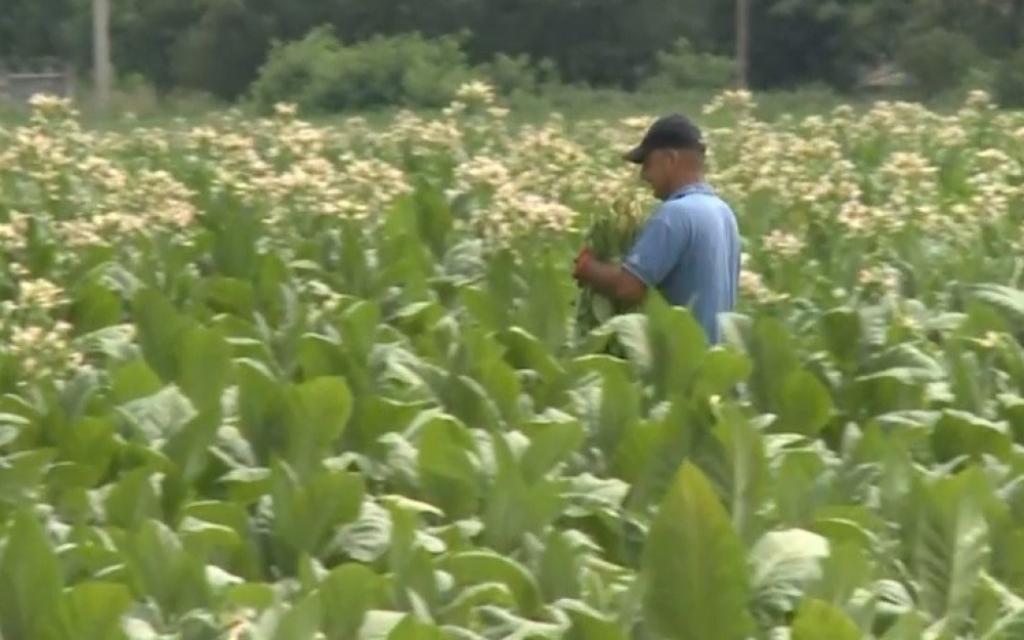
(939, 59)
(273, 416)
(610, 236)
(516, 76)
(210, 54)
(320, 74)
(694, 569)
(218, 47)
(684, 67)
(1009, 81)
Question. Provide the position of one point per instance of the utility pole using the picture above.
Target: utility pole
(742, 43)
(101, 63)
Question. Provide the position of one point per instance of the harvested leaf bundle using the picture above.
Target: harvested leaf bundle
(610, 237)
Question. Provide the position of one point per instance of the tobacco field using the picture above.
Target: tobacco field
(264, 379)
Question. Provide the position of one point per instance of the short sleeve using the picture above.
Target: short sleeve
(656, 251)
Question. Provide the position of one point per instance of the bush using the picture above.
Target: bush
(683, 67)
(939, 60)
(519, 75)
(321, 74)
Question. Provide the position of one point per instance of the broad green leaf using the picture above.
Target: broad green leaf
(678, 346)
(319, 411)
(817, 619)
(91, 442)
(721, 371)
(848, 567)
(21, 474)
(189, 447)
(255, 595)
(784, 565)
(694, 566)
(321, 356)
(299, 621)
(841, 331)
(631, 330)
(95, 307)
(958, 433)
(680, 431)
(262, 411)
(246, 485)
(133, 380)
(133, 498)
(461, 609)
(378, 623)
(492, 371)
(205, 366)
(307, 510)
(366, 539)
(561, 564)
(553, 438)
(160, 416)
(800, 486)
(30, 579)
(475, 567)
(412, 629)
(949, 543)
(527, 352)
(376, 416)
(414, 585)
(804, 404)
(350, 590)
(775, 357)
(202, 538)
(514, 507)
(91, 611)
(909, 626)
(747, 482)
(541, 313)
(160, 331)
(619, 410)
(588, 626)
(635, 450)
(446, 465)
(229, 295)
(161, 568)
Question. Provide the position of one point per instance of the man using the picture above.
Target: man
(689, 249)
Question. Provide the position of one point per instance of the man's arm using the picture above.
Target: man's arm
(612, 280)
(656, 251)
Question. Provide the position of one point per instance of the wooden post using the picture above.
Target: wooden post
(101, 63)
(742, 43)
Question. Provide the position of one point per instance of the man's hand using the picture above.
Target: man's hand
(583, 261)
(610, 279)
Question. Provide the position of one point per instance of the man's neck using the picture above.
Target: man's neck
(685, 183)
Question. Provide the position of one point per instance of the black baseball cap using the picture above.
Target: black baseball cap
(673, 131)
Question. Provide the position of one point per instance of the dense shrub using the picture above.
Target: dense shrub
(519, 75)
(683, 67)
(938, 60)
(321, 74)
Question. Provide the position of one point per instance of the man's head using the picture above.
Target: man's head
(671, 154)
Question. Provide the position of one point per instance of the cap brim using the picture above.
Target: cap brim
(635, 155)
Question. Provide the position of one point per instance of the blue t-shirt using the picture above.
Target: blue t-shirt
(689, 250)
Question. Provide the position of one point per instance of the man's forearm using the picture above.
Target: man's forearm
(613, 281)
(603, 276)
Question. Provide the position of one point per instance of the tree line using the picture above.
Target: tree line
(220, 46)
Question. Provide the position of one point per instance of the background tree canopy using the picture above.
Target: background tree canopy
(220, 46)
